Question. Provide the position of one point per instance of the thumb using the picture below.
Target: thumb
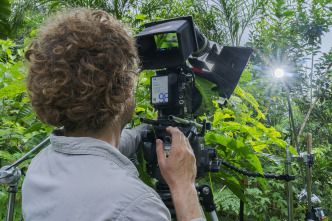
(160, 152)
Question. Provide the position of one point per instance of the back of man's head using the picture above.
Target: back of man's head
(81, 69)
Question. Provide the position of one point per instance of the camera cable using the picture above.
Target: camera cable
(287, 177)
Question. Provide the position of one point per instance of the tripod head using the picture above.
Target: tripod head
(206, 158)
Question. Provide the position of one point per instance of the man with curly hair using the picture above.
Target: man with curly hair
(81, 78)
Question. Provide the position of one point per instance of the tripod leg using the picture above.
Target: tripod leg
(206, 196)
(11, 203)
(202, 211)
(213, 216)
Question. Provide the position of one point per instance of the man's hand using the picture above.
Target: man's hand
(179, 171)
(179, 168)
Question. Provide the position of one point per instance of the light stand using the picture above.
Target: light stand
(307, 159)
(11, 175)
(290, 111)
(312, 213)
(279, 74)
(289, 159)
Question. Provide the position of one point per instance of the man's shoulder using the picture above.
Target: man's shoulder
(122, 182)
(91, 182)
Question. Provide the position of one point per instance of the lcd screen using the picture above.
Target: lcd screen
(166, 41)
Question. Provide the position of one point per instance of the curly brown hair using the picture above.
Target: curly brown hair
(81, 70)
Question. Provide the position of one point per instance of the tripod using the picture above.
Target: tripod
(206, 158)
(11, 175)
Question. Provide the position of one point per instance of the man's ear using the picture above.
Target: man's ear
(128, 109)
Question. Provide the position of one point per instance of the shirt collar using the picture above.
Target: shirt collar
(90, 146)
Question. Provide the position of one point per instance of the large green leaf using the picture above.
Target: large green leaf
(141, 168)
(205, 89)
(248, 97)
(237, 146)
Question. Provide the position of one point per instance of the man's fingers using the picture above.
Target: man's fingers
(172, 130)
(177, 137)
(188, 145)
(160, 152)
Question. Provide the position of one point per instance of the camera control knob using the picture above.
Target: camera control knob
(215, 165)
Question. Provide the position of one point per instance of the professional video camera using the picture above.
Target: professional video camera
(166, 45)
(180, 53)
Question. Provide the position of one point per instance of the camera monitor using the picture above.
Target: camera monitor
(167, 43)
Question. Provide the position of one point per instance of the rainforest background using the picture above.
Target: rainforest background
(252, 132)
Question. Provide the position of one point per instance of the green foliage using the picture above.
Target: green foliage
(238, 135)
(227, 201)
(205, 89)
(289, 37)
(322, 181)
(251, 133)
(236, 16)
(20, 130)
(4, 16)
(142, 95)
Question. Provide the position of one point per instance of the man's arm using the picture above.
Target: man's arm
(179, 171)
(130, 140)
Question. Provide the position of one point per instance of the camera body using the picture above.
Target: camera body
(206, 158)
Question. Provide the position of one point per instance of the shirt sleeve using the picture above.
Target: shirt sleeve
(131, 139)
(148, 209)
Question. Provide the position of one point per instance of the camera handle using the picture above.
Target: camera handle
(11, 175)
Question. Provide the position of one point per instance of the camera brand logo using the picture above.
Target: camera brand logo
(162, 28)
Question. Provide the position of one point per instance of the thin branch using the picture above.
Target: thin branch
(312, 105)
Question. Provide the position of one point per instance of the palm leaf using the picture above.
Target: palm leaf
(25, 111)
(4, 16)
(33, 127)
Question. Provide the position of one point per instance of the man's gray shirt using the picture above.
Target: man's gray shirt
(88, 179)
